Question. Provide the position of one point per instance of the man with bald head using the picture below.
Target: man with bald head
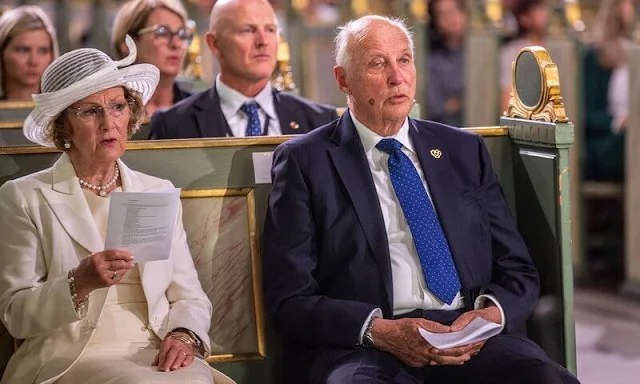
(243, 36)
(379, 224)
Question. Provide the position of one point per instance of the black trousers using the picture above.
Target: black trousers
(504, 359)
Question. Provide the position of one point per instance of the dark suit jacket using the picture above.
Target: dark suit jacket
(326, 256)
(179, 94)
(201, 116)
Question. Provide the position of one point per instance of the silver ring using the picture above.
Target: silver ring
(115, 275)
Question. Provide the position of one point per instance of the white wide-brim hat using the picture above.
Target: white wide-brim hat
(81, 73)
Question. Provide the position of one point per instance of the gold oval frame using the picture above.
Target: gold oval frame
(550, 107)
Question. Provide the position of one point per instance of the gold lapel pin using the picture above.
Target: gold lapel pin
(436, 153)
(294, 125)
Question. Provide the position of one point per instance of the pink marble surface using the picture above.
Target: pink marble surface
(218, 235)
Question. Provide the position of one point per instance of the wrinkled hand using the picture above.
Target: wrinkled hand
(102, 269)
(491, 313)
(402, 339)
(174, 354)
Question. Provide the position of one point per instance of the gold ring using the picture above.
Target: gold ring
(115, 275)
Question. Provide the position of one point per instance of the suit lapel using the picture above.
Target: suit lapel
(287, 114)
(66, 200)
(439, 171)
(351, 164)
(209, 117)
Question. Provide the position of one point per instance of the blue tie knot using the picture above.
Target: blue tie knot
(253, 125)
(389, 145)
(250, 108)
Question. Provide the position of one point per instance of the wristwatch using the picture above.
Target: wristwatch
(367, 339)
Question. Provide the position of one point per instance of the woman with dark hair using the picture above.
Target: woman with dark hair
(447, 27)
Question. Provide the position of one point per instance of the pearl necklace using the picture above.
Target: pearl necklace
(102, 189)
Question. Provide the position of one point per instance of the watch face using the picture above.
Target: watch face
(367, 341)
(195, 339)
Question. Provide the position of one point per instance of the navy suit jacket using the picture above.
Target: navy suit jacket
(201, 116)
(326, 257)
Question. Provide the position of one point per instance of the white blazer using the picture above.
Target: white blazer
(46, 228)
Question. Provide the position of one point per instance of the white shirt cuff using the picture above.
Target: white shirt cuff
(480, 303)
(375, 313)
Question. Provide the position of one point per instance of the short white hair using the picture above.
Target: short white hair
(356, 29)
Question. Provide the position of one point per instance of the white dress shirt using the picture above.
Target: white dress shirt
(410, 290)
(231, 101)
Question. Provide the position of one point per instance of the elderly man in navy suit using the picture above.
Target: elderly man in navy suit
(379, 224)
(243, 36)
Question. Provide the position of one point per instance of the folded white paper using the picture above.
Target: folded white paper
(477, 330)
(142, 223)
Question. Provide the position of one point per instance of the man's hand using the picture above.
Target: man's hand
(490, 313)
(402, 339)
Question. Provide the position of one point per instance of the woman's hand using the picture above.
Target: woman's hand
(174, 354)
(100, 270)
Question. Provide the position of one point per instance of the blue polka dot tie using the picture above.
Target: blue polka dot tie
(428, 237)
(253, 127)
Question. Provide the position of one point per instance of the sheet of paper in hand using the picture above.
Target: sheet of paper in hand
(142, 223)
(478, 329)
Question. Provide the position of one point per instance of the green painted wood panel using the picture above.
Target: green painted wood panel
(527, 181)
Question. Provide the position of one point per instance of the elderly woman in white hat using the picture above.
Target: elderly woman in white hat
(85, 314)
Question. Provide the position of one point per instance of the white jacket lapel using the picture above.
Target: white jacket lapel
(130, 180)
(66, 200)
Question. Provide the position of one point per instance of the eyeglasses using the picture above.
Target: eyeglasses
(163, 32)
(91, 113)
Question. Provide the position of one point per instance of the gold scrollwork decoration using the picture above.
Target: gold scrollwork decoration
(282, 77)
(493, 12)
(420, 10)
(549, 106)
(360, 7)
(573, 15)
(193, 68)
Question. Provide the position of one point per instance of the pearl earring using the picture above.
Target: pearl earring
(67, 144)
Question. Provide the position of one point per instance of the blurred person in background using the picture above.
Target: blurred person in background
(606, 91)
(510, 24)
(28, 45)
(445, 93)
(243, 36)
(159, 29)
(532, 17)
